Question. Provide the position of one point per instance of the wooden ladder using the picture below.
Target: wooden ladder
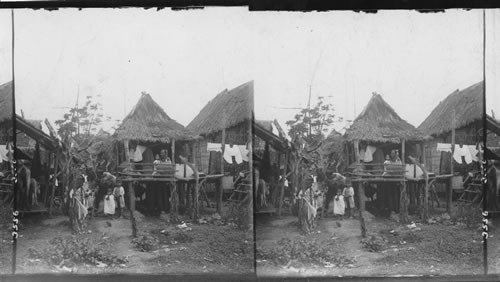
(474, 191)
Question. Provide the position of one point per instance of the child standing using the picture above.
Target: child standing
(119, 194)
(109, 204)
(339, 204)
(349, 198)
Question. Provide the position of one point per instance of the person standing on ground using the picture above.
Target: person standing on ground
(349, 198)
(119, 194)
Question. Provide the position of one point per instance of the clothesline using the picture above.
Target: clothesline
(239, 152)
(469, 152)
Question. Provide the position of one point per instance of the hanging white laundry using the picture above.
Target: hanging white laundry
(362, 153)
(214, 147)
(4, 153)
(244, 152)
(369, 153)
(230, 152)
(462, 152)
(131, 153)
(444, 147)
(138, 153)
(467, 156)
(473, 152)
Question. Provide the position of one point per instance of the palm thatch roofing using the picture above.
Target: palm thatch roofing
(148, 122)
(236, 104)
(6, 101)
(468, 107)
(378, 122)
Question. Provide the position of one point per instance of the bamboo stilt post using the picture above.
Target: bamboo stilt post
(282, 192)
(403, 199)
(425, 211)
(131, 192)
(450, 187)
(53, 185)
(174, 196)
(196, 187)
(220, 189)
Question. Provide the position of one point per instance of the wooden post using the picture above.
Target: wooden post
(403, 199)
(361, 197)
(356, 151)
(220, 190)
(53, 184)
(450, 187)
(282, 192)
(131, 192)
(425, 211)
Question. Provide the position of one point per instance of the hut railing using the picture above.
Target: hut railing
(372, 172)
(152, 172)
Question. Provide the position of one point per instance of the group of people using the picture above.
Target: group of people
(114, 202)
(343, 204)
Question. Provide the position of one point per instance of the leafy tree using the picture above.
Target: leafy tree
(82, 121)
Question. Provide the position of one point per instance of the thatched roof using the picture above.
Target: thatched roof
(6, 101)
(148, 122)
(468, 106)
(267, 124)
(237, 105)
(378, 122)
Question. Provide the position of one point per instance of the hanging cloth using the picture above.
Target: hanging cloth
(473, 152)
(362, 153)
(4, 153)
(369, 153)
(244, 152)
(459, 153)
(214, 147)
(138, 153)
(230, 152)
(444, 147)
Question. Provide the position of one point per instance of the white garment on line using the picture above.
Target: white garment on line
(369, 153)
(138, 153)
(462, 152)
(4, 153)
(214, 147)
(230, 152)
(473, 152)
(244, 152)
(362, 153)
(444, 147)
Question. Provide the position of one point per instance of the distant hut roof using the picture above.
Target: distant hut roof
(468, 106)
(148, 122)
(378, 122)
(6, 101)
(237, 103)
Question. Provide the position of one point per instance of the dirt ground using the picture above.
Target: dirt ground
(212, 247)
(443, 248)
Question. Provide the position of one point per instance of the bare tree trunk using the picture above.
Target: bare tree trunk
(133, 223)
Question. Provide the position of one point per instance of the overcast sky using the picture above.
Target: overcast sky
(184, 58)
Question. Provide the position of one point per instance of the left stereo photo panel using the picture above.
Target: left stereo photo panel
(122, 119)
(6, 142)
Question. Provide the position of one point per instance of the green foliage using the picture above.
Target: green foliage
(82, 120)
(307, 251)
(76, 250)
(311, 124)
(374, 243)
(146, 243)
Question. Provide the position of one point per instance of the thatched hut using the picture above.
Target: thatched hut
(380, 126)
(143, 134)
(230, 112)
(32, 144)
(271, 153)
(374, 134)
(149, 125)
(465, 107)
